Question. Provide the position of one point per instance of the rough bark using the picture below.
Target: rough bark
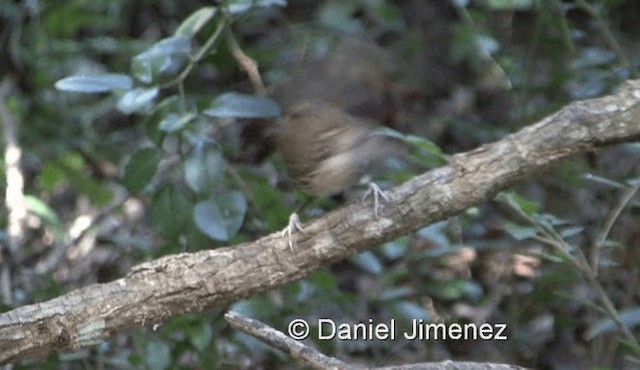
(155, 291)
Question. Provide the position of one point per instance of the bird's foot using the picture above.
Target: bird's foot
(294, 224)
(377, 193)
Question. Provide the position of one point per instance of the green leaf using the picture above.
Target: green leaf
(163, 60)
(170, 212)
(515, 200)
(368, 262)
(409, 310)
(209, 220)
(221, 218)
(425, 146)
(394, 294)
(71, 168)
(136, 99)
(387, 14)
(241, 6)
(171, 105)
(571, 232)
(95, 83)
(323, 279)
(242, 106)
(456, 289)
(195, 21)
(233, 206)
(140, 169)
(630, 318)
(200, 336)
(204, 167)
(510, 4)
(158, 355)
(519, 232)
(437, 233)
(395, 249)
(338, 15)
(41, 209)
(174, 122)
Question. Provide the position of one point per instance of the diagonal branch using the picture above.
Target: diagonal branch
(155, 291)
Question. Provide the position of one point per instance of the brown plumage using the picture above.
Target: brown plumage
(326, 150)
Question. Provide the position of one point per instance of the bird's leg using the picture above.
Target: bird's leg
(376, 192)
(294, 224)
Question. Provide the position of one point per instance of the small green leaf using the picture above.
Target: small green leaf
(140, 169)
(437, 233)
(425, 146)
(195, 21)
(241, 6)
(395, 294)
(499, 5)
(323, 279)
(630, 318)
(204, 167)
(571, 232)
(209, 220)
(519, 232)
(200, 336)
(409, 310)
(173, 122)
(71, 168)
(170, 105)
(158, 355)
(368, 262)
(513, 199)
(170, 212)
(136, 99)
(164, 59)
(233, 206)
(41, 209)
(221, 218)
(338, 15)
(388, 14)
(95, 83)
(242, 106)
(395, 249)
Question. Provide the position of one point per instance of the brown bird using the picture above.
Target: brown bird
(326, 151)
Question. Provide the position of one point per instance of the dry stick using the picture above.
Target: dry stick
(14, 198)
(316, 360)
(249, 65)
(156, 291)
(452, 365)
(274, 338)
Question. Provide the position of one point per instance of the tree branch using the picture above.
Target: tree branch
(155, 291)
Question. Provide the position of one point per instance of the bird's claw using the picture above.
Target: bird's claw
(377, 193)
(294, 223)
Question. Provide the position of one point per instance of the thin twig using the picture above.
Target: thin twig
(202, 52)
(276, 339)
(606, 228)
(249, 65)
